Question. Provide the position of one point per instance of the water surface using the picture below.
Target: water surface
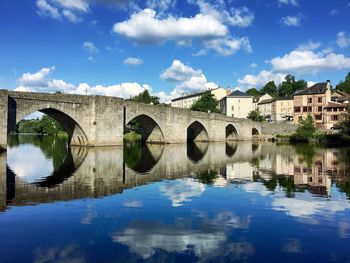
(218, 202)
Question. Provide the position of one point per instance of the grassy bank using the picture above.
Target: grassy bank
(132, 137)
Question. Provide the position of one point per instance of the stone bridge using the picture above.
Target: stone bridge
(101, 120)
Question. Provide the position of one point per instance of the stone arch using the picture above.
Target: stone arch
(150, 130)
(255, 131)
(231, 132)
(76, 135)
(196, 151)
(197, 132)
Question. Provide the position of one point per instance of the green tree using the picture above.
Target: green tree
(270, 88)
(253, 92)
(206, 103)
(255, 115)
(289, 86)
(344, 124)
(344, 85)
(145, 97)
(305, 131)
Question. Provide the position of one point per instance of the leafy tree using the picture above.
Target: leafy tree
(344, 124)
(45, 125)
(270, 88)
(305, 131)
(344, 85)
(253, 92)
(255, 115)
(145, 97)
(207, 102)
(289, 86)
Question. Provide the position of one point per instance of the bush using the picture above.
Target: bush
(305, 131)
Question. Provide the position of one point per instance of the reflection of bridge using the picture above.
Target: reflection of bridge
(100, 121)
(101, 171)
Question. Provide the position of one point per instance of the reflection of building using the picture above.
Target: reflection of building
(187, 101)
(237, 104)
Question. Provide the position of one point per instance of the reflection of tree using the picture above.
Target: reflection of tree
(132, 153)
(53, 147)
(207, 177)
(306, 153)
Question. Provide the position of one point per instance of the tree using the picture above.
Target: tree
(253, 92)
(305, 131)
(145, 97)
(206, 103)
(270, 88)
(344, 124)
(289, 86)
(344, 85)
(255, 115)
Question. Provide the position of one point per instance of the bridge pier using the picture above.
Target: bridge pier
(4, 119)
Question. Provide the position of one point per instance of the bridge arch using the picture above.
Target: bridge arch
(197, 132)
(149, 128)
(231, 132)
(76, 135)
(255, 131)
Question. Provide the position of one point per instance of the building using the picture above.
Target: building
(260, 98)
(277, 109)
(311, 101)
(237, 104)
(187, 101)
(332, 113)
(340, 96)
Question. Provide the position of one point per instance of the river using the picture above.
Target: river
(204, 202)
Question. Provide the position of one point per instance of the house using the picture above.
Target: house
(187, 101)
(237, 104)
(277, 109)
(340, 96)
(332, 113)
(260, 98)
(311, 101)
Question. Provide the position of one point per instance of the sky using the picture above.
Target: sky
(120, 48)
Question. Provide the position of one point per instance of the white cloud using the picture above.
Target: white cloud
(241, 17)
(253, 65)
(145, 27)
(162, 6)
(80, 5)
(39, 82)
(310, 45)
(133, 61)
(37, 79)
(289, 2)
(178, 72)
(187, 79)
(291, 20)
(226, 47)
(71, 16)
(259, 80)
(45, 9)
(90, 47)
(343, 40)
(307, 61)
(334, 12)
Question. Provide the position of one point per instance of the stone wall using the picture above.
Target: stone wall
(270, 129)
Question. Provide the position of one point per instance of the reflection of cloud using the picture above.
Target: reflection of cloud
(256, 187)
(87, 219)
(306, 208)
(293, 246)
(29, 162)
(240, 251)
(231, 221)
(180, 191)
(145, 238)
(344, 230)
(67, 254)
(132, 203)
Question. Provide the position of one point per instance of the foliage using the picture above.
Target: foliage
(305, 131)
(344, 85)
(289, 86)
(145, 97)
(132, 136)
(270, 88)
(253, 92)
(207, 102)
(344, 124)
(255, 115)
(46, 125)
(207, 177)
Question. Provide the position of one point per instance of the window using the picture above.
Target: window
(304, 109)
(335, 118)
(319, 108)
(318, 117)
(320, 100)
(309, 109)
(233, 108)
(300, 118)
(296, 109)
(309, 100)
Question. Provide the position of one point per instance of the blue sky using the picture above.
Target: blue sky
(119, 47)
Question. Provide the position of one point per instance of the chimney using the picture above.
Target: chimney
(328, 81)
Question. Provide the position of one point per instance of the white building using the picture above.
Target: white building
(187, 101)
(237, 104)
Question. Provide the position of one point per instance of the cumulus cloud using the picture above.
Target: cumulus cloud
(259, 80)
(133, 61)
(289, 2)
(45, 9)
(343, 39)
(307, 61)
(291, 20)
(310, 45)
(187, 79)
(90, 47)
(40, 82)
(209, 26)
